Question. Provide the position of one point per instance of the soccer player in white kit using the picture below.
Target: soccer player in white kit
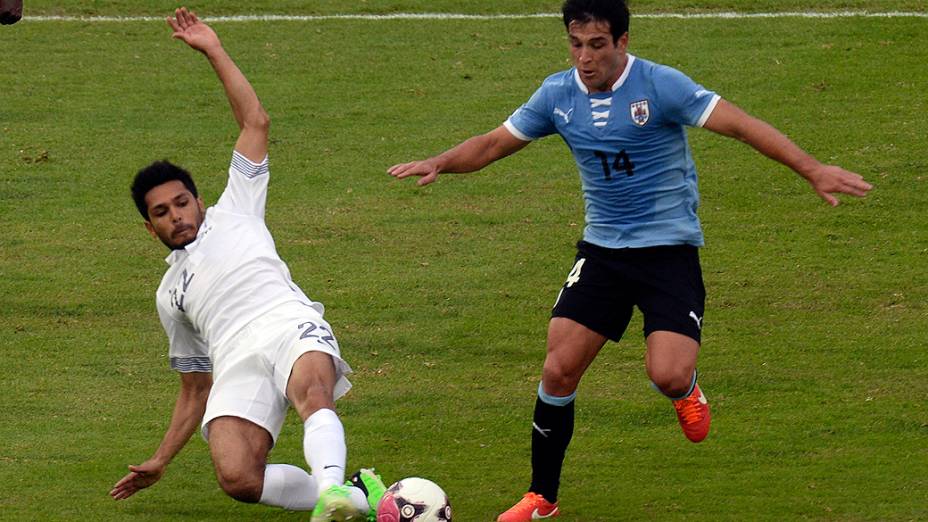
(246, 340)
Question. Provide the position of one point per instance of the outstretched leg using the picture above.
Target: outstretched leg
(571, 349)
(310, 390)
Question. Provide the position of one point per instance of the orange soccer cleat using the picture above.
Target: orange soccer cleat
(532, 507)
(693, 414)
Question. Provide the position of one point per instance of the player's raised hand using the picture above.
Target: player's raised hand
(828, 180)
(139, 477)
(192, 31)
(427, 170)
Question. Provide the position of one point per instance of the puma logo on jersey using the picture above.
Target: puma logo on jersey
(562, 114)
(697, 319)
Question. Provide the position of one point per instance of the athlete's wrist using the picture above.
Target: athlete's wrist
(215, 53)
(806, 166)
(161, 459)
(437, 164)
(159, 462)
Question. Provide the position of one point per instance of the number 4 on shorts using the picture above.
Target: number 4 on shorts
(574, 275)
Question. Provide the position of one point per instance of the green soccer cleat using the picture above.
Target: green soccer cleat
(368, 481)
(335, 505)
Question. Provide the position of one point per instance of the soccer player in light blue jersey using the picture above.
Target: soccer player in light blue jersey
(624, 119)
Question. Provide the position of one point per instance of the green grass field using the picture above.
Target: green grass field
(814, 354)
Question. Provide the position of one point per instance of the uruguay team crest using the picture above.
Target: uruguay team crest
(640, 112)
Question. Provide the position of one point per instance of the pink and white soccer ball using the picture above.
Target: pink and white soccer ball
(414, 499)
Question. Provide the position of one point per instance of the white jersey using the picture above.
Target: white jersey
(228, 276)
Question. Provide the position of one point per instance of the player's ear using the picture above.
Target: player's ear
(151, 229)
(201, 205)
(622, 42)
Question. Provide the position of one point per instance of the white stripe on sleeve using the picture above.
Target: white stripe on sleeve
(708, 112)
(516, 132)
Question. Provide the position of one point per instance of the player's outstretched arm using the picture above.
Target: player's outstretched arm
(188, 411)
(472, 154)
(251, 117)
(827, 180)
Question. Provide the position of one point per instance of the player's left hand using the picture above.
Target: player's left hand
(427, 171)
(828, 180)
(192, 31)
(139, 477)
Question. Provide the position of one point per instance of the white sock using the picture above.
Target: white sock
(359, 499)
(324, 448)
(289, 487)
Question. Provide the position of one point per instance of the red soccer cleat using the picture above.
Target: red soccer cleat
(532, 507)
(693, 414)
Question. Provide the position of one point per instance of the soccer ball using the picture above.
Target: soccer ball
(414, 499)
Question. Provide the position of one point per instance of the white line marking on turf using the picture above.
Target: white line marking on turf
(459, 16)
(787, 14)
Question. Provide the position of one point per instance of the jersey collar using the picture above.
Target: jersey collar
(615, 86)
(175, 256)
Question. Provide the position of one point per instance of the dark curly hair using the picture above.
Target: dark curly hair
(158, 173)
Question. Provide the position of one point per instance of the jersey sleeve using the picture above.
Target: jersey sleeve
(532, 120)
(683, 100)
(187, 351)
(246, 191)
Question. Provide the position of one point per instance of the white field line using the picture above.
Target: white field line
(458, 16)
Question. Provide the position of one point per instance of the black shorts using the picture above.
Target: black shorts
(605, 284)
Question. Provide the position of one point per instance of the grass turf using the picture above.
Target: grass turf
(813, 356)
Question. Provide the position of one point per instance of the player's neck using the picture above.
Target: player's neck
(609, 84)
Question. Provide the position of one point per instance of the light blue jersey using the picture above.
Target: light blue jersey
(638, 177)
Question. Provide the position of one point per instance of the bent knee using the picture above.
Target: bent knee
(673, 382)
(244, 487)
(560, 380)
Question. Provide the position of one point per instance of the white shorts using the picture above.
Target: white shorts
(251, 371)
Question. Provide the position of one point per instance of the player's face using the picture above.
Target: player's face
(598, 58)
(174, 214)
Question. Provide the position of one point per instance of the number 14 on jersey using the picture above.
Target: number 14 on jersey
(620, 163)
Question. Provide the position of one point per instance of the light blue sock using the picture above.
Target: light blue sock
(685, 395)
(552, 400)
